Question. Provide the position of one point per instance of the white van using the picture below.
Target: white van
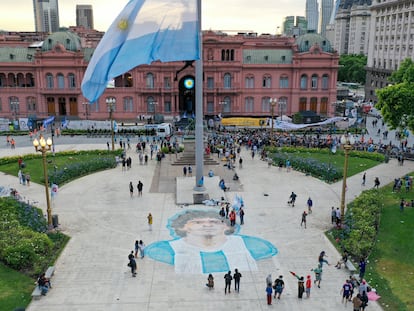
(164, 130)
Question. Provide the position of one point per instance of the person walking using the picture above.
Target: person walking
(149, 217)
(185, 171)
(402, 204)
(279, 286)
(321, 258)
(132, 264)
(346, 291)
(140, 185)
(236, 276)
(141, 247)
(376, 183)
(364, 177)
(241, 214)
(232, 217)
(131, 189)
(227, 282)
(301, 287)
(304, 214)
(136, 247)
(333, 215)
(310, 204)
(308, 286)
(269, 292)
(318, 275)
(357, 302)
(292, 199)
(362, 266)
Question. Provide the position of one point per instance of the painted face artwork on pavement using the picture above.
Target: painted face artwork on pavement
(203, 242)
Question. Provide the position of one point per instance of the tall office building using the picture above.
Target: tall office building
(84, 16)
(325, 16)
(46, 13)
(312, 15)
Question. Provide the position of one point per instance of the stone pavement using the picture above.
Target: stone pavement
(103, 222)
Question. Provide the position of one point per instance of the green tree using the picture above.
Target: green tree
(352, 68)
(396, 101)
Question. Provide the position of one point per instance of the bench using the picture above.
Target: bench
(349, 265)
(37, 292)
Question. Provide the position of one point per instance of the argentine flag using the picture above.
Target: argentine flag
(145, 31)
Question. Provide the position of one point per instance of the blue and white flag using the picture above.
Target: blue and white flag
(48, 121)
(145, 31)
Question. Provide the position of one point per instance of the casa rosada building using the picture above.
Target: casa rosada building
(242, 75)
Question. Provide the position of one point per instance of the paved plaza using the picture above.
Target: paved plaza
(103, 222)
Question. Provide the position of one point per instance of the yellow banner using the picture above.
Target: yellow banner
(243, 121)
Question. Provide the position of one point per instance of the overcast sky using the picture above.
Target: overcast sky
(262, 16)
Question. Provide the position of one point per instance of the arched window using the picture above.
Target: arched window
(325, 82)
(71, 81)
(249, 82)
(11, 80)
(49, 81)
(31, 104)
(21, 80)
(60, 81)
(304, 82)
(227, 81)
(30, 82)
(267, 82)
(149, 81)
(314, 82)
(3, 80)
(128, 104)
(265, 104)
(284, 82)
(248, 104)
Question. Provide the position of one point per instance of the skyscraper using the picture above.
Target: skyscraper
(46, 13)
(312, 15)
(326, 12)
(84, 16)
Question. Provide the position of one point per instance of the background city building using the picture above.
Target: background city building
(352, 27)
(84, 16)
(242, 73)
(391, 41)
(295, 26)
(312, 15)
(46, 15)
(327, 7)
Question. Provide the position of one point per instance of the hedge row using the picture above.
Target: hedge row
(361, 224)
(24, 243)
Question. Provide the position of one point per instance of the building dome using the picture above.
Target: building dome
(307, 41)
(69, 40)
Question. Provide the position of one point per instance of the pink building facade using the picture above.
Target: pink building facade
(241, 74)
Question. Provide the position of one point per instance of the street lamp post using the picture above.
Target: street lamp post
(154, 110)
(347, 141)
(44, 146)
(111, 101)
(272, 102)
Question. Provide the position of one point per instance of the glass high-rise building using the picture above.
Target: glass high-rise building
(312, 15)
(84, 16)
(325, 16)
(46, 13)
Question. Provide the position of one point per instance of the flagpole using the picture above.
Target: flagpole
(199, 136)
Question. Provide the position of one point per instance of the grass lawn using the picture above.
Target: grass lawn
(15, 289)
(391, 264)
(355, 165)
(34, 166)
